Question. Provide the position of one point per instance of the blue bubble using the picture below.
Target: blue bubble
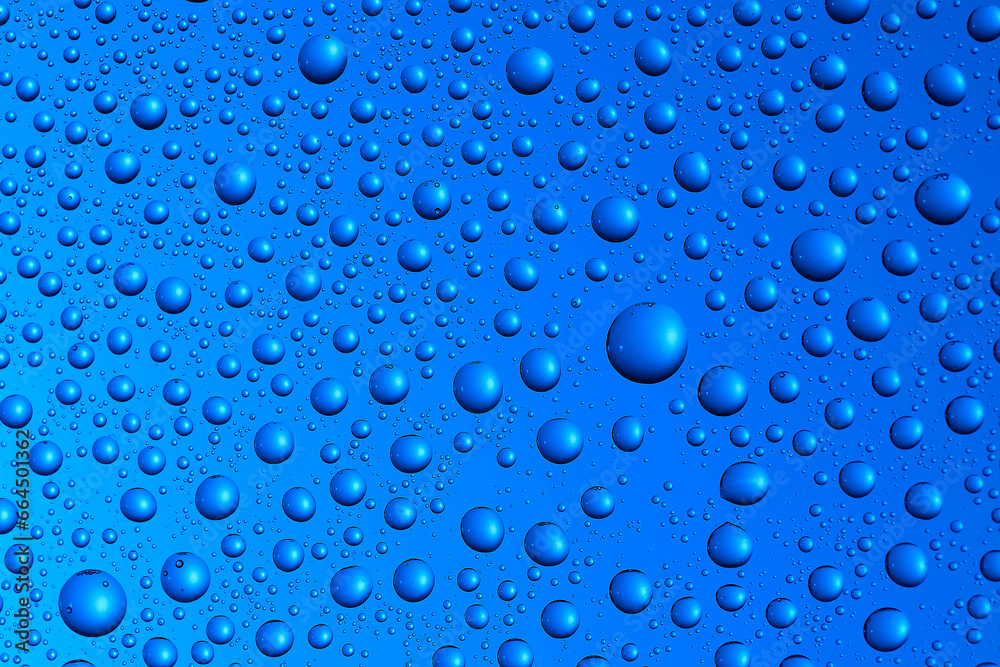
(515, 653)
(819, 255)
(287, 555)
(906, 565)
(686, 612)
(847, 11)
(274, 638)
(906, 432)
(138, 505)
(303, 283)
(691, 171)
(615, 219)
(660, 117)
(559, 441)
(729, 546)
(185, 577)
(530, 70)
(273, 443)
(924, 501)
(597, 502)
(217, 497)
(732, 654)
(984, 23)
(989, 565)
(414, 255)
(880, 91)
(943, 199)
(173, 295)
(631, 591)
(723, 391)
(652, 56)
(328, 396)
(388, 385)
(955, 356)
(121, 167)
(413, 580)
(744, 483)
(148, 111)
(235, 183)
(900, 257)
(482, 529)
(322, 59)
(410, 454)
(789, 172)
(477, 387)
(869, 320)
(857, 479)
(448, 656)
(159, 652)
(781, 613)
(351, 586)
(45, 458)
(348, 487)
(431, 201)
(945, 84)
(886, 629)
(92, 603)
(546, 544)
(540, 370)
(965, 415)
(647, 343)
(627, 433)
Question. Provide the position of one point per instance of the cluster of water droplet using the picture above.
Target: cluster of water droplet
(443, 333)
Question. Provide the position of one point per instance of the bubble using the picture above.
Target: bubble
(989, 565)
(647, 343)
(560, 619)
(984, 23)
(274, 639)
(287, 555)
(685, 612)
(597, 502)
(660, 117)
(781, 613)
(273, 443)
(627, 433)
(477, 387)
(819, 255)
(520, 274)
(351, 586)
(121, 167)
(414, 255)
(761, 294)
(887, 629)
(482, 529)
(540, 370)
(828, 72)
(413, 580)
(546, 544)
(328, 397)
(906, 564)
(723, 391)
(298, 504)
(729, 546)
(691, 171)
(148, 111)
(235, 183)
(448, 656)
(887, 381)
(410, 454)
(730, 597)
(515, 653)
(217, 498)
(388, 385)
(906, 432)
(869, 320)
(955, 356)
(826, 583)
(789, 173)
(15, 411)
(732, 654)
(431, 201)
(303, 283)
(965, 415)
(348, 487)
(631, 591)
(847, 11)
(857, 479)
(900, 257)
(924, 501)
(130, 279)
(322, 59)
(185, 577)
(45, 458)
(945, 84)
(559, 441)
(614, 219)
(159, 652)
(550, 216)
(744, 483)
(530, 70)
(173, 296)
(92, 603)
(572, 155)
(943, 199)
(652, 56)
(880, 91)
(784, 387)
(138, 505)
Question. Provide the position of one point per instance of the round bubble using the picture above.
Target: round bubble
(647, 343)
(887, 629)
(826, 583)
(322, 59)
(924, 501)
(92, 603)
(880, 91)
(348, 487)
(410, 454)
(540, 369)
(906, 565)
(819, 255)
(730, 546)
(560, 619)
(273, 443)
(615, 219)
(652, 56)
(631, 591)
(744, 483)
(597, 502)
(185, 577)
(857, 479)
(413, 580)
(274, 639)
(217, 497)
(559, 441)
(235, 183)
(546, 544)
(477, 387)
(723, 391)
(869, 319)
(945, 84)
(482, 529)
(965, 415)
(943, 199)
(691, 171)
(530, 70)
